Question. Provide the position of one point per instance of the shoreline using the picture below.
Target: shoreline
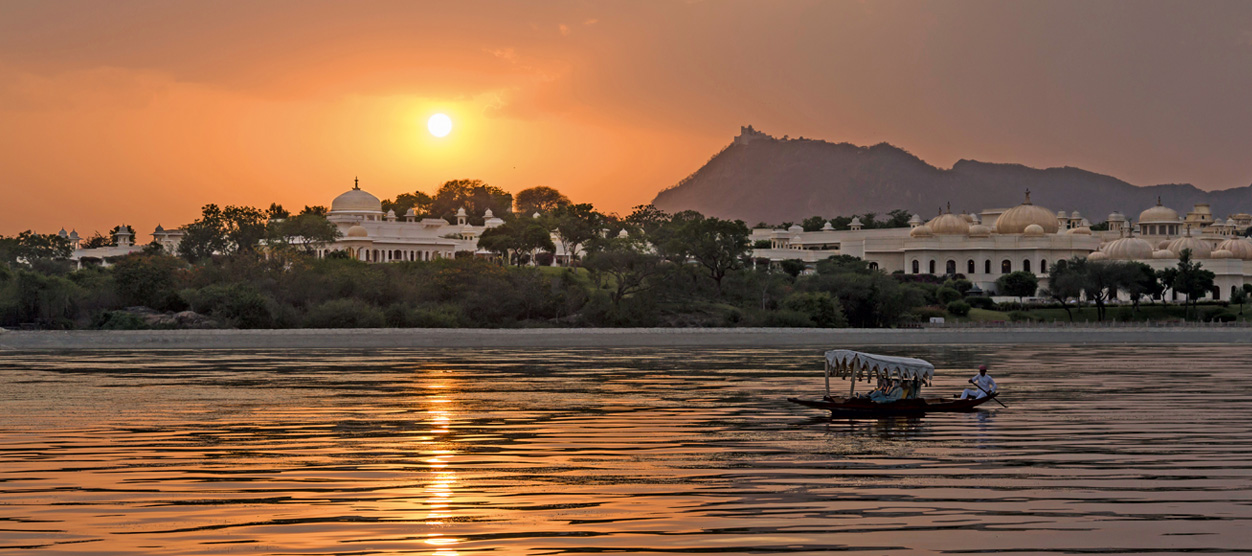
(382, 338)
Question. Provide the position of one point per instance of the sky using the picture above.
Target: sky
(142, 112)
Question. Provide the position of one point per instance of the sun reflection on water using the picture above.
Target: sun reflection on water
(442, 476)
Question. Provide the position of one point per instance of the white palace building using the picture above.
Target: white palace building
(1027, 237)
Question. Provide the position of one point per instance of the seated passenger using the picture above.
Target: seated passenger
(894, 393)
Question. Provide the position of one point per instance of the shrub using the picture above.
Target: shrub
(946, 295)
(239, 304)
(958, 308)
(1225, 317)
(924, 314)
(544, 258)
(119, 320)
(981, 302)
(821, 308)
(1022, 316)
(344, 313)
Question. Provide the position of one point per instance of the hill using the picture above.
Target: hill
(759, 178)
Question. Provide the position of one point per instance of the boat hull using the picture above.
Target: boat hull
(861, 407)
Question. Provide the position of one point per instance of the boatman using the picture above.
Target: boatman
(980, 380)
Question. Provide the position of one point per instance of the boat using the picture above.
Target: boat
(855, 365)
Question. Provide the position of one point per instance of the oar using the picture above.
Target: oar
(997, 400)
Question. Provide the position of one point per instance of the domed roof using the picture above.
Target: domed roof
(1221, 254)
(856, 221)
(357, 231)
(827, 227)
(921, 231)
(1164, 244)
(1016, 219)
(461, 212)
(1164, 254)
(1239, 248)
(488, 214)
(410, 212)
(356, 200)
(1079, 231)
(795, 228)
(1033, 230)
(1128, 248)
(978, 230)
(948, 224)
(1200, 249)
(915, 220)
(1097, 256)
(1117, 216)
(1075, 215)
(1158, 213)
(968, 217)
(391, 213)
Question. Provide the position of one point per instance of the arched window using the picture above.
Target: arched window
(1006, 266)
(970, 267)
(1043, 266)
(873, 266)
(932, 267)
(950, 267)
(986, 266)
(916, 268)
(1026, 265)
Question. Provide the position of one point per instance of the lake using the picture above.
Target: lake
(625, 451)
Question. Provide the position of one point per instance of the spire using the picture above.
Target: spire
(356, 183)
(1027, 198)
(1158, 200)
(949, 207)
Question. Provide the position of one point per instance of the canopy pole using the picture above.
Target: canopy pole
(827, 379)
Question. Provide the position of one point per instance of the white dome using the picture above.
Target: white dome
(1097, 256)
(921, 231)
(795, 228)
(1116, 216)
(1221, 254)
(1016, 219)
(1164, 254)
(1033, 230)
(410, 212)
(356, 200)
(1239, 248)
(978, 230)
(1158, 213)
(948, 224)
(1164, 244)
(1075, 215)
(1080, 231)
(827, 227)
(915, 220)
(357, 231)
(461, 212)
(1128, 249)
(488, 214)
(1200, 249)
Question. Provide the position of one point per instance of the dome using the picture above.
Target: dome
(356, 200)
(461, 212)
(1164, 254)
(535, 215)
(66, 234)
(827, 227)
(1097, 256)
(1164, 244)
(1033, 230)
(391, 213)
(623, 234)
(357, 231)
(1158, 213)
(1080, 231)
(795, 228)
(948, 224)
(915, 220)
(978, 230)
(1016, 219)
(856, 221)
(968, 217)
(1239, 248)
(1116, 216)
(1128, 248)
(410, 212)
(1200, 249)
(159, 229)
(921, 231)
(488, 214)
(1221, 254)
(1075, 215)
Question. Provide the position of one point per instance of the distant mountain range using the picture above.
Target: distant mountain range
(759, 178)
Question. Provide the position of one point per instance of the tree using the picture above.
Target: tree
(472, 195)
(629, 264)
(813, 223)
(822, 309)
(277, 212)
(1239, 297)
(148, 280)
(576, 225)
(27, 248)
(222, 231)
(1065, 281)
(305, 233)
(315, 209)
(647, 219)
(539, 199)
(516, 240)
(717, 245)
(793, 267)
(244, 227)
(1190, 279)
(1141, 282)
(1103, 279)
(1018, 284)
(96, 241)
(421, 204)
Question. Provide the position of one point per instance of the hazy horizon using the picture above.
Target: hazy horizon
(141, 112)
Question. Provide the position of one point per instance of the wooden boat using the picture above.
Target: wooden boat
(855, 365)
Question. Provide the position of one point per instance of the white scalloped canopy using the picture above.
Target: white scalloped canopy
(845, 363)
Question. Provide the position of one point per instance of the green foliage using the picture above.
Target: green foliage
(822, 309)
(238, 305)
(539, 199)
(223, 231)
(516, 240)
(575, 225)
(946, 295)
(120, 320)
(813, 223)
(345, 313)
(421, 203)
(959, 308)
(474, 196)
(959, 284)
(981, 302)
(304, 233)
(793, 267)
(28, 247)
(148, 280)
(1018, 284)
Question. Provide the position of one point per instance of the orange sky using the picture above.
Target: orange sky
(141, 112)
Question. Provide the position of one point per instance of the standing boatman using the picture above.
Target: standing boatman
(981, 380)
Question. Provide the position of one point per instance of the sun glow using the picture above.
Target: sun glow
(440, 125)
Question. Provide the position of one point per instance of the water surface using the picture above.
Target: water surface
(644, 451)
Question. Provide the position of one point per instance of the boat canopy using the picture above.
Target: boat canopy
(845, 363)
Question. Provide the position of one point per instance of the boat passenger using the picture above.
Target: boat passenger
(894, 393)
(981, 380)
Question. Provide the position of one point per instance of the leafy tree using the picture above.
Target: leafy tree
(28, 247)
(223, 231)
(541, 199)
(961, 285)
(319, 210)
(1066, 280)
(959, 308)
(1141, 282)
(647, 219)
(421, 203)
(793, 267)
(474, 196)
(1239, 297)
(1019, 284)
(576, 225)
(305, 233)
(628, 263)
(813, 223)
(717, 245)
(945, 295)
(822, 309)
(277, 212)
(1103, 279)
(147, 280)
(1190, 279)
(96, 241)
(516, 240)
(898, 218)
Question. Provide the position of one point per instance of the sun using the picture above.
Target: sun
(439, 125)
